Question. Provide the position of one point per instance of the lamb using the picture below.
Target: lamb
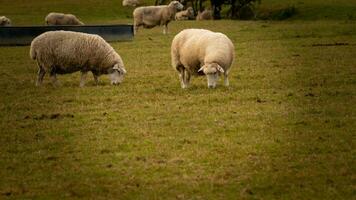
(202, 52)
(205, 15)
(151, 16)
(62, 52)
(4, 21)
(62, 19)
(132, 3)
(185, 15)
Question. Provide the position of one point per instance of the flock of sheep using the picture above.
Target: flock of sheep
(193, 51)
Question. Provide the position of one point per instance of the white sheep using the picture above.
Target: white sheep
(132, 3)
(151, 16)
(205, 15)
(185, 14)
(62, 52)
(199, 52)
(62, 19)
(4, 21)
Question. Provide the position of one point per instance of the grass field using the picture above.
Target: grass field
(284, 129)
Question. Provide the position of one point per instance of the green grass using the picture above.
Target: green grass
(284, 129)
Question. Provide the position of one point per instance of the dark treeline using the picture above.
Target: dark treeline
(238, 9)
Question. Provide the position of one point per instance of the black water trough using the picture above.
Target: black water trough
(23, 35)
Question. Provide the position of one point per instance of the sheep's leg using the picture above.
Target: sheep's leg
(82, 79)
(96, 80)
(182, 77)
(96, 76)
(135, 29)
(54, 79)
(165, 29)
(40, 75)
(135, 25)
(186, 77)
(226, 80)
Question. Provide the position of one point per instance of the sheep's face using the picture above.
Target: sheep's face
(212, 72)
(117, 74)
(190, 10)
(176, 5)
(4, 21)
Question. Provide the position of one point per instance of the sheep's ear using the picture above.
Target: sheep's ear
(201, 69)
(122, 70)
(116, 66)
(220, 69)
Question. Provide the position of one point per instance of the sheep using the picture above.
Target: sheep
(185, 15)
(62, 52)
(205, 15)
(4, 21)
(202, 52)
(132, 3)
(62, 19)
(151, 16)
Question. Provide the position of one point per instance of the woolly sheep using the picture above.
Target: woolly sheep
(185, 15)
(4, 21)
(151, 16)
(205, 15)
(62, 19)
(198, 52)
(132, 3)
(62, 52)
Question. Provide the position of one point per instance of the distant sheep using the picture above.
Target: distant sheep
(205, 15)
(151, 16)
(4, 21)
(185, 15)
(62, 52)
(202, 52)
(132, 3)
(62, 19)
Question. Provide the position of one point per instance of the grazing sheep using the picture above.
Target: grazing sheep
(132, 3)
(205, 15)
(199, 52)
(151, 16)
(62, 52)
(62, 19)
(4, 21)
(186, 14)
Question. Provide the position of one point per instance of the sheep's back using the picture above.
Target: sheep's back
(69, 49)
(200, 46)
(192, 43)
(149, 11)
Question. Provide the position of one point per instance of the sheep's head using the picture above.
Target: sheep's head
(190, 12)
(5, 21)
(212, 71)
(116, 74)
(176, 5)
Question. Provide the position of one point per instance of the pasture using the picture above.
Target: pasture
(284, 129)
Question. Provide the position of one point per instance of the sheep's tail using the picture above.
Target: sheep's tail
(32, 53)
(174, 56)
